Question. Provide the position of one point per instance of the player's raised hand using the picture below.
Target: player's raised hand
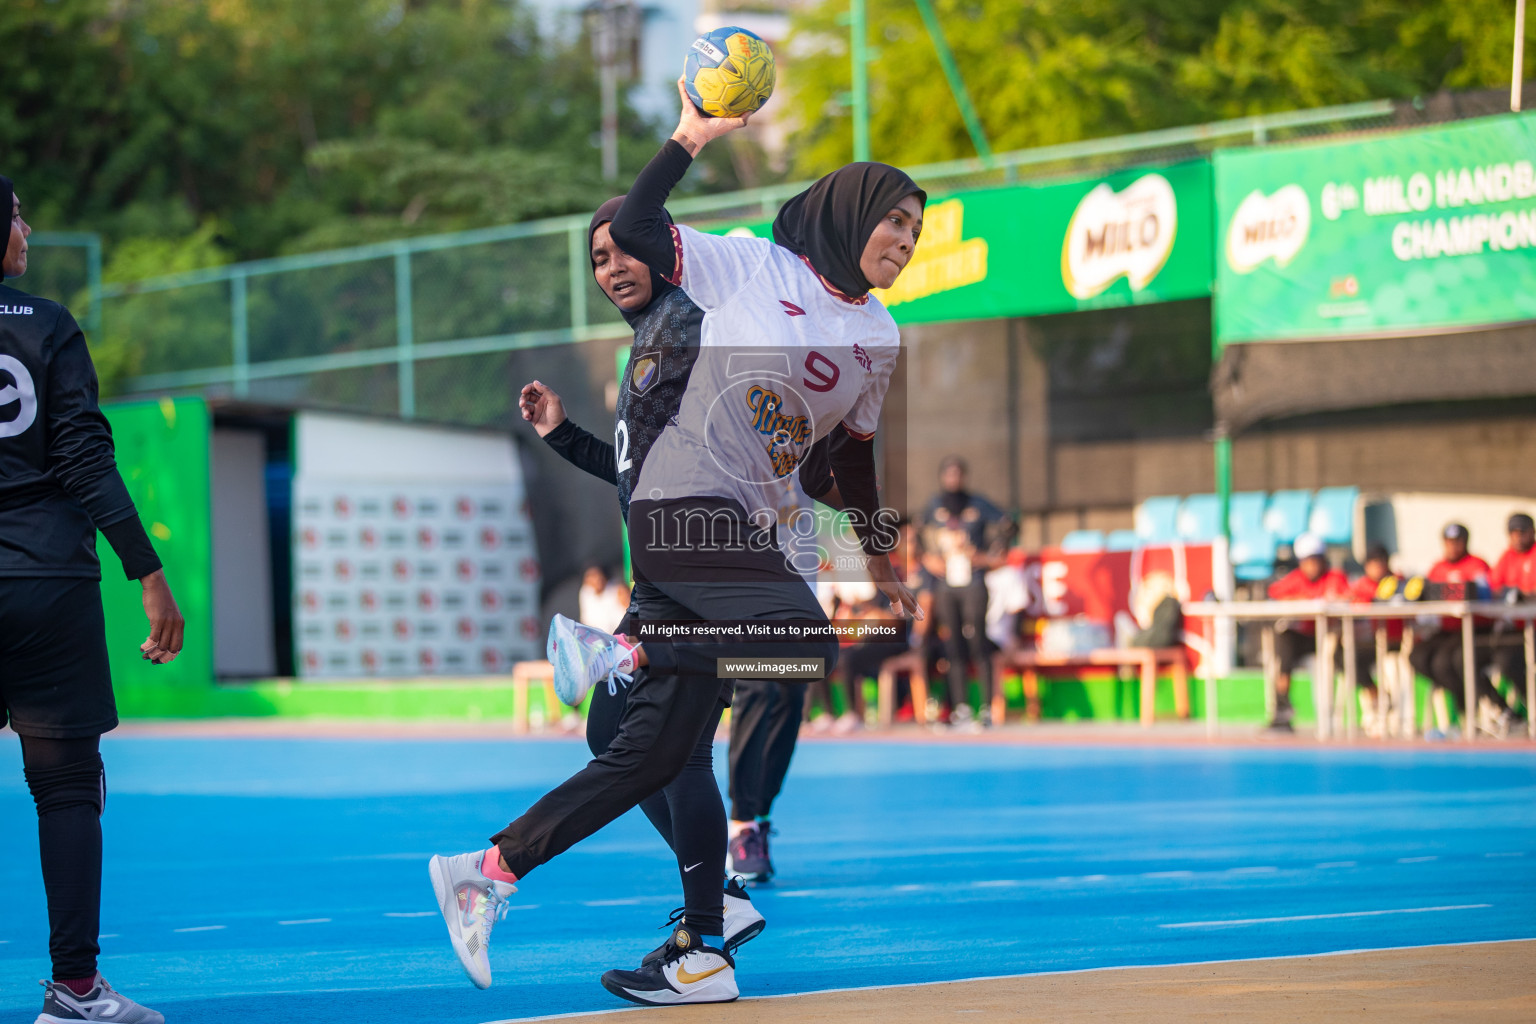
(695, 128)
(165, 623)
(883, 574)
(541, 407)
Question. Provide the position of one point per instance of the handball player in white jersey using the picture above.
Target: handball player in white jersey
(793, 350)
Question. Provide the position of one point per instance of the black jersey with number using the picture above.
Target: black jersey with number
(660, 359)
(58, 473)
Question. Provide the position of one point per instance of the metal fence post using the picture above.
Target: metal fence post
(405, 333)
(577, 264)
(240, 327)
(93, 281)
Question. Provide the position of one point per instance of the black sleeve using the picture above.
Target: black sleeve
(81, 455)
(584, 451)
(641, 227)
(853, 466)
(816, 470)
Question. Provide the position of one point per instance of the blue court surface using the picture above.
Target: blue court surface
(274, 880)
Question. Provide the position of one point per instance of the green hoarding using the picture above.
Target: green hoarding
(1417, 232)
(162, 452)
(1139, 235)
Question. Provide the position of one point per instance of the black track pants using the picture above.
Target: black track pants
(687, 812)
(765, 724)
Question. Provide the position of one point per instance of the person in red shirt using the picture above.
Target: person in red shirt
(1438, 655)
(1312, 580)
(1515, 571)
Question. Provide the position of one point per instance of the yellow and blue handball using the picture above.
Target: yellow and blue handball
(729, 72)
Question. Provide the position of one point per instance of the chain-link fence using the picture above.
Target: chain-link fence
(428, 327)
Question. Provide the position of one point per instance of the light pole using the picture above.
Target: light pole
(1517, 79)
(615, 29)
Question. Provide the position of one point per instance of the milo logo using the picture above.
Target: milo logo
(1119, 234)
(1268, 227)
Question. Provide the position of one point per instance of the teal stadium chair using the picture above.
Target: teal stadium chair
(1286, 517)
(1122, 540)
(1157, 520)
(1082, 542)
(1333, 514)
(1253, 546)
(1198, 518)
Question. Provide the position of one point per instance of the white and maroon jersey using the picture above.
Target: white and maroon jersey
(783, 360)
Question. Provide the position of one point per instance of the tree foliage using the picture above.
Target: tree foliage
(1051, 71)
(241, 128)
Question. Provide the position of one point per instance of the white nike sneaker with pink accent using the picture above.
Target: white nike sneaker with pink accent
(582, 655)
(471, 906)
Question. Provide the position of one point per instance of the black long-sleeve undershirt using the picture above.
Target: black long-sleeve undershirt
(641, 227)
(584, 450)
(853, 466)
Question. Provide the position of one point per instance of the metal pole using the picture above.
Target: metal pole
(860, 30)
(608, 79)
(956, 83)
(577, 262)
(1468, 678)
(240, 327)
(405, 334)
(93, 281)
(1517, 80)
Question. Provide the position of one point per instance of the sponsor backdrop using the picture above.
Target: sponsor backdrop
(1420, 231)
(1139, 235)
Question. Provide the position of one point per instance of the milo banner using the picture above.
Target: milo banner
(1411, 233)
(1140, 235)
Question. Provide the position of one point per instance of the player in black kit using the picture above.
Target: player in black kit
(688, 812)
(59, 484)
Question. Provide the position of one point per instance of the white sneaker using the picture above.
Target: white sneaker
(742, 923)
(685, 973)
(582, 655)
(471, 906)
(847, 722)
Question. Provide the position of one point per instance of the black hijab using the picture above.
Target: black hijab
(7, 202)
(659, 285)
(830, 222)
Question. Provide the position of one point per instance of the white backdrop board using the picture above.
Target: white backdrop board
(413, 552)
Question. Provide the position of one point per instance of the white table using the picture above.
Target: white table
(1349, 612)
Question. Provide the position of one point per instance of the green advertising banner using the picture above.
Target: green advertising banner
(162, 452)
(1139, 235)
(1418, 232)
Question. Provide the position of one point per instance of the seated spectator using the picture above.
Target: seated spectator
(1515, 573)
(1312, 580)
(857, 659)
(1378, 567)
(1159, 616)
(602, 600)
(1438, 655)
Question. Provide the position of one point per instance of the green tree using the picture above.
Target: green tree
(1050, 71)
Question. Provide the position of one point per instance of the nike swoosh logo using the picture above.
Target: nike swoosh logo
(691, 867)
(687, 977)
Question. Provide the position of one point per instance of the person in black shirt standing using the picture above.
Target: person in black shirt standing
(959, 541)
(59, 484)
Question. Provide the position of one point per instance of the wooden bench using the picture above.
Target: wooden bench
(524, 675)
(1149, 660)
(915, 667)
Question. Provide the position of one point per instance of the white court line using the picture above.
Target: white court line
(1167, 874)
(112, 935)
(1252, 871)
(1415, 860)
(611, 903)
(1339, 864)
(411, 913)
(201, 928)
(1038, 974)
(1324, 917)
(1517, 853)
(309, 920)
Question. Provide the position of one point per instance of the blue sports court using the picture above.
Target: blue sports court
(263, 880)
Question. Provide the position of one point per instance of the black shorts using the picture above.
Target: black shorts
(55, 682)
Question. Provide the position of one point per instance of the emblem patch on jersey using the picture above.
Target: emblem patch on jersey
(784, 433)
(644, 373)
